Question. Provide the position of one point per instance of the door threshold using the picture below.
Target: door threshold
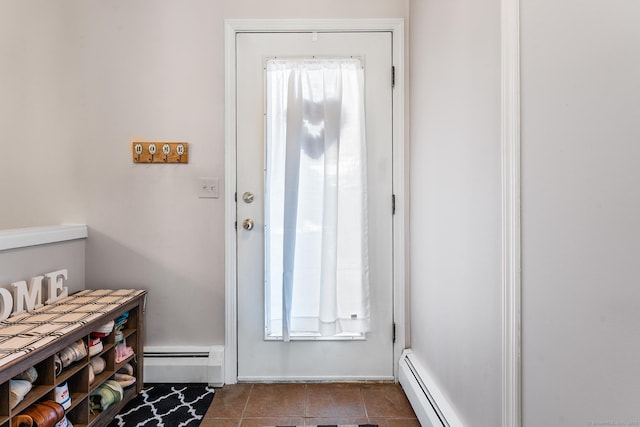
(271, 380)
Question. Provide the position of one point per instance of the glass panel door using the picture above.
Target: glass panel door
(316, 228)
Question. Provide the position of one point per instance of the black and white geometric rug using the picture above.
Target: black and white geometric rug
(166, 405)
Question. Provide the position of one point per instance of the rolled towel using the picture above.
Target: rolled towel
(18, 390)
(106, 394)
(80, 350)
(126, 369)
(122, 319)
(57, 363)
(30, 375)
(98, 364)
(67, 356)
(125, 380)
(62, 395)
(98, 335)
(106, 328)
(123, 352)
(92, 375)
(73, 353)
(95, 346)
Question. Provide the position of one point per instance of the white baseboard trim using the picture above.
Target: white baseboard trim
(184, 365)
(312, 379)
(428, 402)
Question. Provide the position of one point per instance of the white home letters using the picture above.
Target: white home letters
(29, 297)
(6, 301)
(56, 287)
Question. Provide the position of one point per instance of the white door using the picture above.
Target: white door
(262, 353)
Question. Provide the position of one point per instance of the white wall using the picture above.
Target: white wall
(39, 159)
(24, 263)
(455, 202)
(91, 77)
(580, 211)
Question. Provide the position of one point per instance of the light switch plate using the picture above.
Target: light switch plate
(209, 188)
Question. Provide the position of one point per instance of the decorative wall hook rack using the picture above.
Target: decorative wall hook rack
(160, 152)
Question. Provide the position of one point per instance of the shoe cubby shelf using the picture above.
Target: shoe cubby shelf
(44, 332)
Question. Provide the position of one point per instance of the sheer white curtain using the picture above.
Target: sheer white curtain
(317, 274)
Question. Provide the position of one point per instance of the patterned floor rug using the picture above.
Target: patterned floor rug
(166, 405)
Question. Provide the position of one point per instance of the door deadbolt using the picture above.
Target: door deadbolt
(247, 197)
(247, 224)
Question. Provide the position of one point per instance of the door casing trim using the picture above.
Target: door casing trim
(235, 26)
(511, 216)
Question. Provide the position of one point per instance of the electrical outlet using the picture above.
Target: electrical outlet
(209, 188)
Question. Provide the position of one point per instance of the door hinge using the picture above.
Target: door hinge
(235, 225)
(394, 333)
(393, 204)
(235, 197)
(393, 76)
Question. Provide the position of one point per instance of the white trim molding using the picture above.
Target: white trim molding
(511, 226)
(33, 236)
(184, 364)
(234, 26)
(428, 401)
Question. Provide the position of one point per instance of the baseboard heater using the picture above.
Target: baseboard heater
(192, 364)
(429, 404)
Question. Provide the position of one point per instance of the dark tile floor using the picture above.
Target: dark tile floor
(258, 405)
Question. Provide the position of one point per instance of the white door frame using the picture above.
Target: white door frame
(511, 220)
(234, 26)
